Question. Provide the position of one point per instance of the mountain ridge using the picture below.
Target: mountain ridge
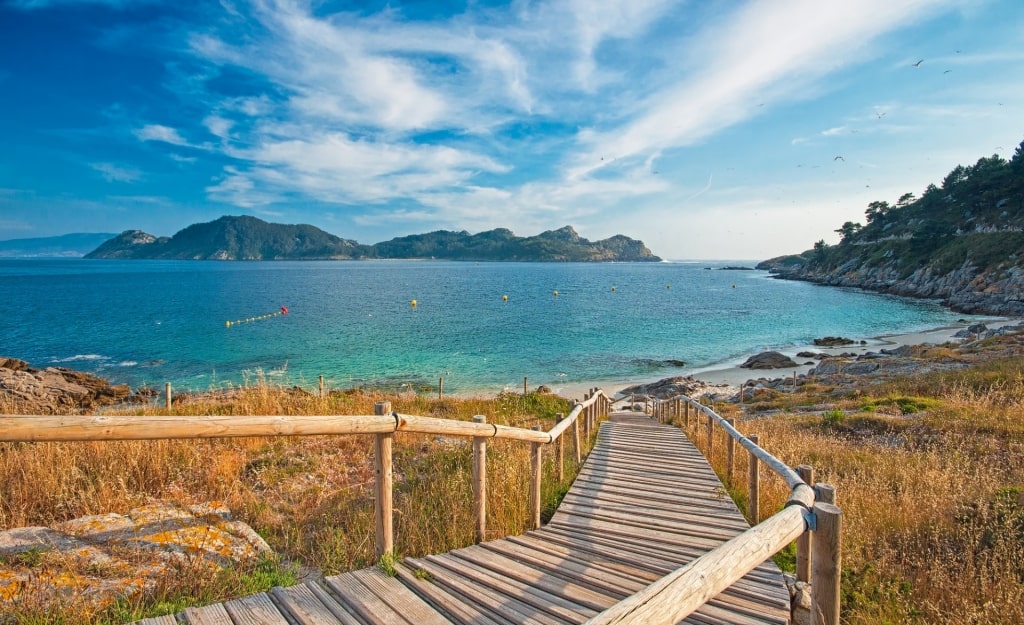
(249, 238)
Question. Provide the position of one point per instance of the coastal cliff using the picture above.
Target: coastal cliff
(961, 243)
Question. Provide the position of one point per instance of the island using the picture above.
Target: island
(250, 238)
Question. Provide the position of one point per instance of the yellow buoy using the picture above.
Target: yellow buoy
(413, 302)
(504, 298)
(227, 324)
(555, 293)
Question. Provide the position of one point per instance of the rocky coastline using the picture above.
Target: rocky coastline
(966, 289)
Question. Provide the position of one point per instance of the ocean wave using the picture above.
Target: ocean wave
(79, 357)
(127, 363)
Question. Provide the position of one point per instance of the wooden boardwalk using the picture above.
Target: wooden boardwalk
(645, 503)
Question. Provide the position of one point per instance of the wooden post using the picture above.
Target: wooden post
(711, 438)
(560, 451)
(480, 481)
(730, 453)
(753, 485)
(827, 565)
(525, 391)
(686, 415)
(803, 544)
(167, 395)
(825, 493)
(536, 469)
(321, 386)
(383, 502)
(440, 387)
(576, 440)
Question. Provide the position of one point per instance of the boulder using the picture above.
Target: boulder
(769, 360)
(833, 341)
(53, 390)
(97, 560)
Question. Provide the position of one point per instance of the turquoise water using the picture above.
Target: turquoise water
(147, 322)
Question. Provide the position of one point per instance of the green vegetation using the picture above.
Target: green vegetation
(249, 238)
(975, 217)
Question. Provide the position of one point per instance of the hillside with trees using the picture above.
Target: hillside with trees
(961, 242)
(249, 238)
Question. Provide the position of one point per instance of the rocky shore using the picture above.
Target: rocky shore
(966, 289)
(56, 390)
(854, 367)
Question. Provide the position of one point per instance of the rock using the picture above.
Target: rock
(55, 389)
(99, 559)
(544, 388)
(769, 360)
(667, 387)
(833, 341)
(971, 331)
(809, 355)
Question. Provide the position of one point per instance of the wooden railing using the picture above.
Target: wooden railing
(809, 516)
(665, 601)
(383, 424)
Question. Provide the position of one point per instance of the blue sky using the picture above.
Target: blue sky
(709, 129)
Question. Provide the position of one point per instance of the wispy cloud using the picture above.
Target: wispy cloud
(112, 172)
(157, 132)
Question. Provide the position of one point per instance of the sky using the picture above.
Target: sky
(709, 129)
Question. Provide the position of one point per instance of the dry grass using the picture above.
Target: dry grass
(932, 496)
(309, 497)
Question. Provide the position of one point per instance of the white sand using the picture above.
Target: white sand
(733, 376)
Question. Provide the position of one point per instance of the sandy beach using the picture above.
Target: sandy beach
(732, 375)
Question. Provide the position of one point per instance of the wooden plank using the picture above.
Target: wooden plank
(768, 590)
(158, 620)
(502, 609)
(365, 604)
(209, 615)
(450, 605)
(399, 597)
(304, 605)
(255, 610)
(557, 605)
(584, 573)
(536, 578)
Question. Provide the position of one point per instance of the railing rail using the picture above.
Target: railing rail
(383, 424)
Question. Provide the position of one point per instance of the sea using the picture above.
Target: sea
(405, 325)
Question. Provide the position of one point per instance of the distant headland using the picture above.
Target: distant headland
(249, 238)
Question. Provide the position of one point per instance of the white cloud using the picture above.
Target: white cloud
(157, 132)
(117, 173)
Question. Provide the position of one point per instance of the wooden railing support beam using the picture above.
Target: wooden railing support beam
(536, 472)
(383, 503)
(753, 484)
(803, 544)
(480, 482)
(827, 564)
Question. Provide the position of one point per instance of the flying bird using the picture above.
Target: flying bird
(947, 71)
(918, 64)
(880, 115)
(839, 158)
